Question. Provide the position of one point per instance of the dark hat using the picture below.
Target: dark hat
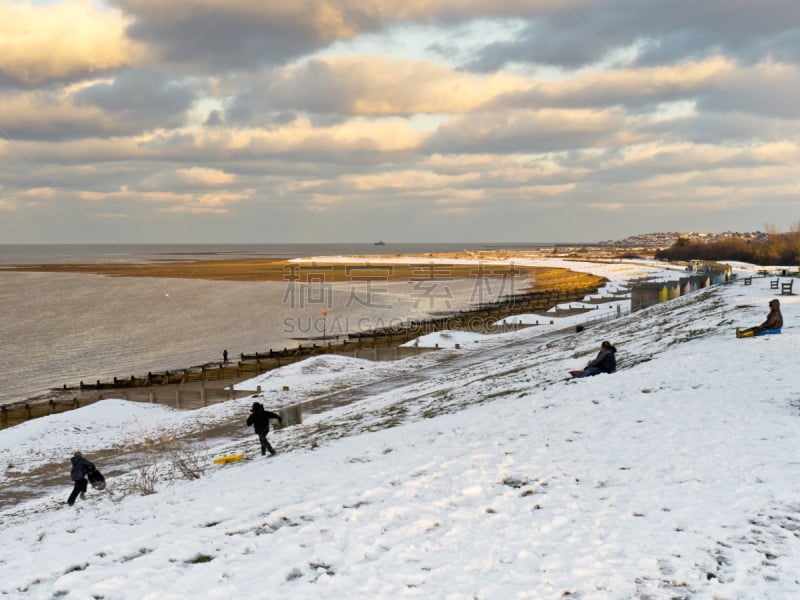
(774, 302)
(256, 405)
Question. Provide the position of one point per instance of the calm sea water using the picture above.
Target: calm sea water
(62, 328)
(110, 253)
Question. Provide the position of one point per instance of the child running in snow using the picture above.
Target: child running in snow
(259, 419)
(80, 469)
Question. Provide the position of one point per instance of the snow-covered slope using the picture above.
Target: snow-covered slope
(675, 477)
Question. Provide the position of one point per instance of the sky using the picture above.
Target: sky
(128, 121)
(487, 475)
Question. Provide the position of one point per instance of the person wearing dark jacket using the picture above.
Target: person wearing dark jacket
(259, 419)
(80, 469)
(774, 321)
(604, 362)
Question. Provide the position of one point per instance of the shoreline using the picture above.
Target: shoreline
(466, 264)
(558, 285)
(425, 268)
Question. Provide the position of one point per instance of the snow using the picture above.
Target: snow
(481, 472)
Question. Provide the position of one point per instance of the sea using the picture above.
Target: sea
(63, 328)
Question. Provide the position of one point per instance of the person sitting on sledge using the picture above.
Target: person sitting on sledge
(80, 469)
(774, 322)
(259, 419)
(604, 362)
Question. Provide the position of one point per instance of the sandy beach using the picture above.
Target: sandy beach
(390, 267)
(357, 269)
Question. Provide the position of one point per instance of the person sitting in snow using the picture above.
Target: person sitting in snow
(604, 362)
(259, 419)
(80, 469)
(774, 321)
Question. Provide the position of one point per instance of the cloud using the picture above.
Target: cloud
(128, 104)
(61, 41)
(210, 202)
(241, 34)
(529, 131)
(407, 180)
(140, 94)
(147, 111)
(716, 84)
(205, 177)
(370, 85)
(578, 34)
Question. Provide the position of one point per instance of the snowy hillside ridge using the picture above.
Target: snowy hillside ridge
(486, 474)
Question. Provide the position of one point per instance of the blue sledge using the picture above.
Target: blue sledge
(768, 332)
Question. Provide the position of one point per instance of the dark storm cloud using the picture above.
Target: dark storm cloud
(134, 102)
(239, 35)
(222, 40)
(667, 31)
(151, 96)
(214, 119)
(275, 96)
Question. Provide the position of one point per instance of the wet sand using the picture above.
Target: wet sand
(285, 270)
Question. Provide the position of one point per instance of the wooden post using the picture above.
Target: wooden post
(52, 406)
(4, 416)
(178, 398)
(151, 397)
(203, 399)
(298, 415)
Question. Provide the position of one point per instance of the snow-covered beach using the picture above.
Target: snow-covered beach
(495, 478)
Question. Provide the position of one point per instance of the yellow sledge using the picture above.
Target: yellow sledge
(221, 460)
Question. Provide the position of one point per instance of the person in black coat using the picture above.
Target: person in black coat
(80, 469)
(259, 419)
(774, 321)
(604, 362)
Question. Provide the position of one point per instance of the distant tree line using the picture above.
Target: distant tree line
(774, 249)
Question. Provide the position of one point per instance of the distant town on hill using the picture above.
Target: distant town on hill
(667, 239)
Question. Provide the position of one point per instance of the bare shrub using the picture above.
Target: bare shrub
(146, 461)
(159, 455)
(182, 459)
